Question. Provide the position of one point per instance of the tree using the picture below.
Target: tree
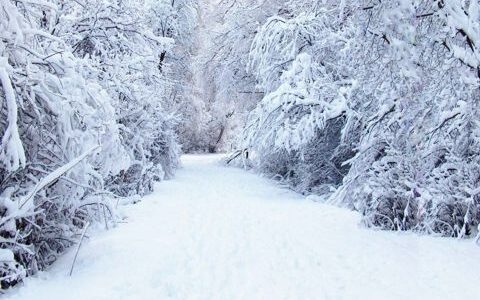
(399, 82)
(53, 121)
(125, 56)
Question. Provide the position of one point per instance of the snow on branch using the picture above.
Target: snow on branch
(12, 154)
(55, 175)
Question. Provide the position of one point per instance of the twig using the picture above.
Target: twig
(78, 248)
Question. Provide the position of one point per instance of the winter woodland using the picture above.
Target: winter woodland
(370, 105)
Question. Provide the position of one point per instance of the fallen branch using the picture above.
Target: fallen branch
(233, 156)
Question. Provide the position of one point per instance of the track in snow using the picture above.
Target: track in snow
(223, 233)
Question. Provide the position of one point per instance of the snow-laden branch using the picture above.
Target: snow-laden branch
(12, 153)
(55, 175)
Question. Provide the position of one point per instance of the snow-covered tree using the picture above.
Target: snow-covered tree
(225, 91)
(86, 116)
(59, 142)
(416, 119)
(127, 58)
(296, 62)
(399, 82)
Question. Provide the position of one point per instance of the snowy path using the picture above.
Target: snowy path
(223, 233)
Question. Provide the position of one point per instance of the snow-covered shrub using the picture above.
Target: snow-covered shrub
(305, 104)
(59, 141)
(128, 59)
(389, 198)
(321, 161)
(403, 76)
(417, 105)
(84, 119)
(315, 167)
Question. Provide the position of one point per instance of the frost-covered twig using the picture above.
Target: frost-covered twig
(78, 248)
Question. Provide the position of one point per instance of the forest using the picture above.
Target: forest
(368, 105)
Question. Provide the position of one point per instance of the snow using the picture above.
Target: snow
(223, 233)
(6, 255)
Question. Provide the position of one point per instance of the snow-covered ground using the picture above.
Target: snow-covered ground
(223, 233)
